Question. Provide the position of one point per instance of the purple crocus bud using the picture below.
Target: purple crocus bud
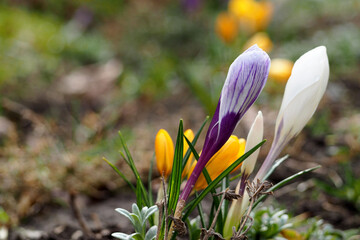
(245, 80)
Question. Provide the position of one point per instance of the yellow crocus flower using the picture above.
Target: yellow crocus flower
(227, 155)
(189, 134)
(280, 69)
(226, 27)
(164, 151)
(263, 41)
(252, 15)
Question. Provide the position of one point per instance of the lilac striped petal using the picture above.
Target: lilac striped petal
(245, 80)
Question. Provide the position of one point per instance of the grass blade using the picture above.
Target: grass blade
(284, 182)
(275, 165)
(120, 174)
(201, 213)
(139, 199)
(150, 197)
(208, 180)
(188, 152)
(129, 160)
(175, 177)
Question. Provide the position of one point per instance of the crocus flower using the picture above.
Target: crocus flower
(263, 40)
(226, 27)
(255, 136)
(303, 92)
(227, 155)
(280, 69)
(245, 80)
(189, 134)
(252, 15)
(164, 151)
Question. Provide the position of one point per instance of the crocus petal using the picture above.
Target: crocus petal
(245, 80)
(236, 210)
(226, 156)
(241, 152)
(303, 92)
(189, 134)
(254, 137)
(233, 217)
(164, 152)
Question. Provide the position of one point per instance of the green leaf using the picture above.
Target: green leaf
(201, 213)
(123, 236)
(151, 233)
(275, 165)
(150, 197)
(208, 180)
(188, 152)
(120, 174)
(190, 207)
(127, 214)
(138, 226)
(136, 209)
(139, 199)
(150, 211)
(284, 182)
(175, 177)
(129, 160)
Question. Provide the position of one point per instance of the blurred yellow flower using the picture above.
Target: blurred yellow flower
(252, 15)
(280, 69)
(164, 152)
(228, 154)
(262, 39)
(226, 27)
(291, 234)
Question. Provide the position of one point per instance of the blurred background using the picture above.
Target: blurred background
(74, 73)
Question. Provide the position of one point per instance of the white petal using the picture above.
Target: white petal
(255, 136)
(303, 91)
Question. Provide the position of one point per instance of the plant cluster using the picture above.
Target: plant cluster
(208, 172)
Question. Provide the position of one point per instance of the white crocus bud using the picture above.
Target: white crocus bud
(236, 210)
(303, 92)
(255, 136)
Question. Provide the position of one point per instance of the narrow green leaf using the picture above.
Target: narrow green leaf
(201, 213)
(120, 174)
(225, 206)
(275, 165)
(219, 178)
(208, 180)
(139, 199)
(175, 177)
(211, 215)
(150, 196)
(284, 182)
(128, 158)
(188, 152)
